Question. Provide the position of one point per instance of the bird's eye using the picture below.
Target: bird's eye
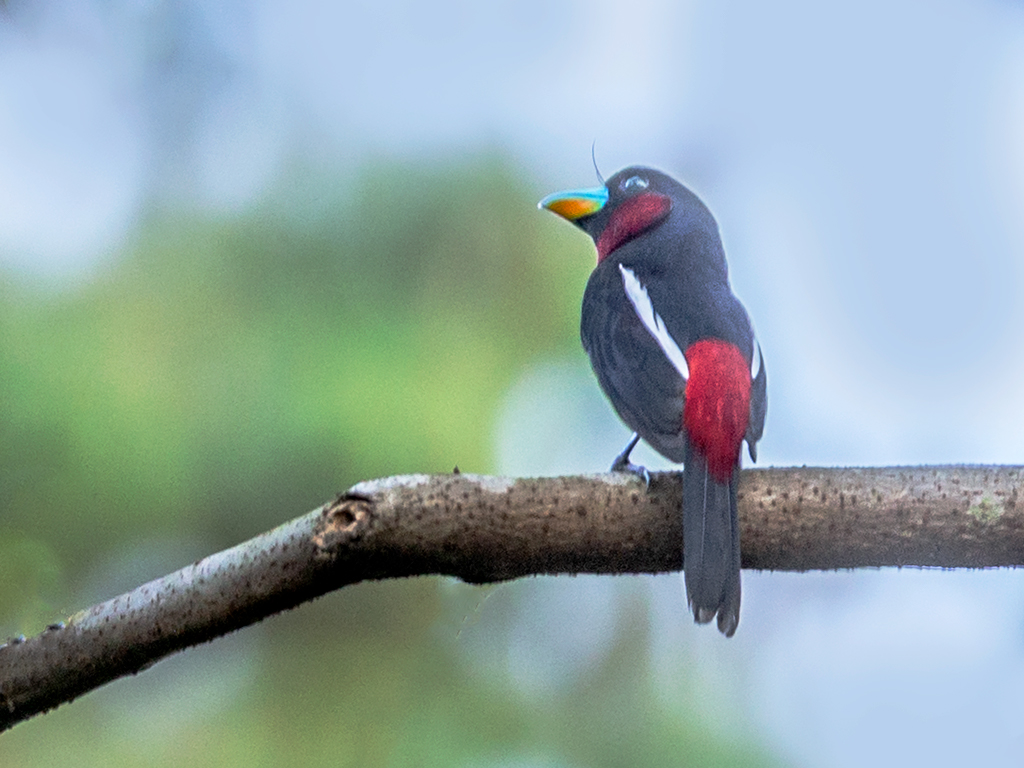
(634, 183)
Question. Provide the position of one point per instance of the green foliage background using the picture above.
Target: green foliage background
(222, 374)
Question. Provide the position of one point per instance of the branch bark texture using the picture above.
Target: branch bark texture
(484, 529)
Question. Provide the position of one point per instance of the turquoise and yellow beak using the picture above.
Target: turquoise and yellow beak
(576, 203)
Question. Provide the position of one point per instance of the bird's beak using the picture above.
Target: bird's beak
(576, 203)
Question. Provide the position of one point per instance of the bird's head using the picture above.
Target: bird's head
(632, 202)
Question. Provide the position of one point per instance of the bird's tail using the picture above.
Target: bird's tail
(711, 543)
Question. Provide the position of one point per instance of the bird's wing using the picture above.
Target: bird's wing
(635, 365)
(758, 401)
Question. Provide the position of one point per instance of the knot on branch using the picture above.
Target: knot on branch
(342, 521)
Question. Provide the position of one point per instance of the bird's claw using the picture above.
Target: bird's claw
(623, 464)
(634, 469)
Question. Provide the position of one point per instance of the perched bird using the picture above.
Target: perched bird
(674, 351)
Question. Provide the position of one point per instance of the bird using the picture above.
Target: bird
(674, 351)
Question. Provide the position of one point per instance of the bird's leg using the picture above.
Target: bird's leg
(622, 463)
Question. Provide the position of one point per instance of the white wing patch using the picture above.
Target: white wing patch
(755, 363)
(637, 295)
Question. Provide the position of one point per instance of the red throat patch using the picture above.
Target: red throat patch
(717, 405)
(632, 217)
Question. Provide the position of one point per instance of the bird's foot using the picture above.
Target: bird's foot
(633, 469)
(623, 464)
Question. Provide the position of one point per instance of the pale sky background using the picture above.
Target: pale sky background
(866, 166)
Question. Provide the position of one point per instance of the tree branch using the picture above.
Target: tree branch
(485, 529)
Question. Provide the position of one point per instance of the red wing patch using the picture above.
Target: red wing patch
(629, 219)
(717, 405)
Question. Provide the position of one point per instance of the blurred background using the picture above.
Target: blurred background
(252, 253)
